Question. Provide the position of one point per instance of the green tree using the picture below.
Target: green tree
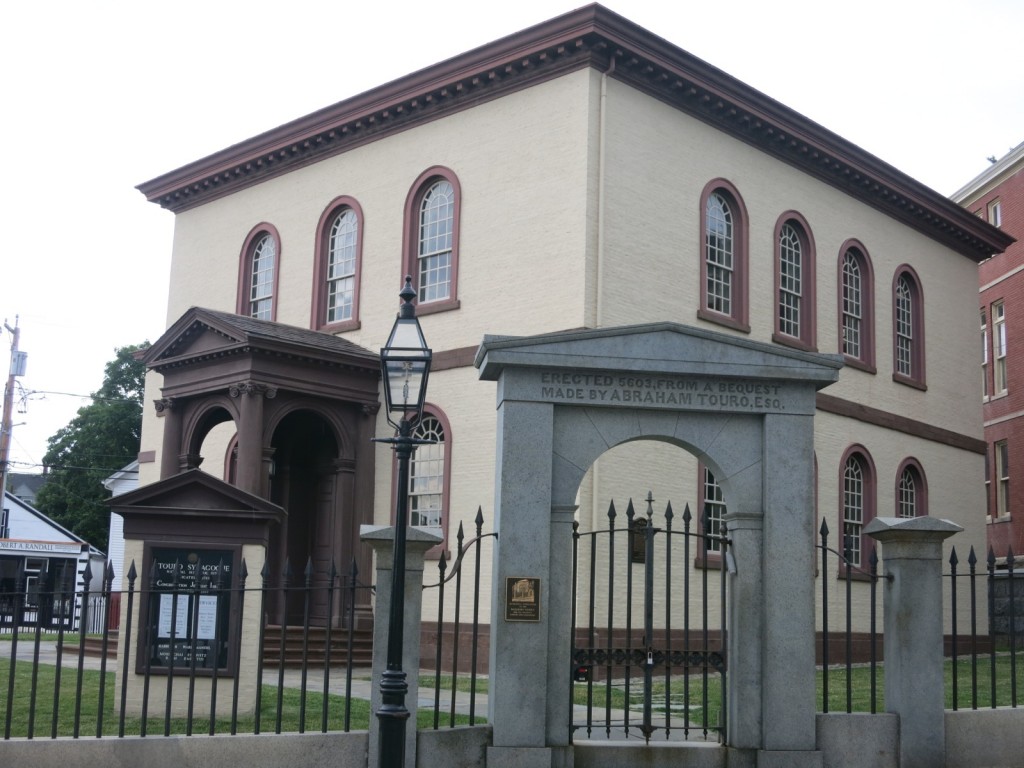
(101, 439)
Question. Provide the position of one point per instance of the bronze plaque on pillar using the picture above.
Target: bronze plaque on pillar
(522, 598)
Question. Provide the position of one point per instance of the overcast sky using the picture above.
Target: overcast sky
(101, 96)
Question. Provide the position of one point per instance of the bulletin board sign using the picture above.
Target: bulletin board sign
(188, 608)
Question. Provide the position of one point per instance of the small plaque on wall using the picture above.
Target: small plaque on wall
(522, 598)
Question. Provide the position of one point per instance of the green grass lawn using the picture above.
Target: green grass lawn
(89, 711)
(602, 696)
(599, 695)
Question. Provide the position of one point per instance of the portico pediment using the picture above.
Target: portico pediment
(207, 351)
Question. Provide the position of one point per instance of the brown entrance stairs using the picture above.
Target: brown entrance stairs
(316, 649)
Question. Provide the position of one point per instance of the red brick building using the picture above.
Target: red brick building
(997, 195)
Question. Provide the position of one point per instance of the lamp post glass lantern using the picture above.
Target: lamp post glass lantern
(405, 366)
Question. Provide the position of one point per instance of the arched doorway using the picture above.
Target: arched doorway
(306, 463)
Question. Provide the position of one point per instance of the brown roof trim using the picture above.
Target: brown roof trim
(591, 36)
(243, 335)
(869, 415)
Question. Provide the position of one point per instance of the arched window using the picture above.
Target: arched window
(856, 307)
(856, 506)
(432, 240)
(908, 328)
(723, 267)
(337, 262)
(258, 271)
(430, 474)
(911, 490)
(710, 517)
(794, 283)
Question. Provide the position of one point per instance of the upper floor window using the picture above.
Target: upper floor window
(911, 491)
(337, 267)
(432, 239)
(908, 329)
(995, 213)
(795, 283)
(856, 307)
(724, 259)
(984, 354)
(999, 347)
(857, 505)
(258, 272)
(5, 524)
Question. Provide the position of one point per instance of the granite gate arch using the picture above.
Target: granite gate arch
(748, 408)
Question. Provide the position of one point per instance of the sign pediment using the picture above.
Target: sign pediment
(192, 494)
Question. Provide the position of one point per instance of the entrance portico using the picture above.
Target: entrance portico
(303, 405)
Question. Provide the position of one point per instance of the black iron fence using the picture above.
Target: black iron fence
(449, 638)
(635, 672)
(217, 653)
(985, 612)
(849, 656)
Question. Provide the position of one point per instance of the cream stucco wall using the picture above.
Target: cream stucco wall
(580, 207)
(652, 253)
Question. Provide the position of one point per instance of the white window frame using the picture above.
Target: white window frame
(436, 239)
(719, 254)
(341, 266)
(714, 503)
(999, 345)
(854, 509)
(904, 328)
(1002, 453)
(791, 258)
(995, 213)
(426, 477)
(261, 278)
(984, 354)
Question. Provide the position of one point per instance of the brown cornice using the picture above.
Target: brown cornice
(870, 415)
(591, 36)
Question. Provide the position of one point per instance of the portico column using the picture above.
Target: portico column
(249, 469)
(170, 446)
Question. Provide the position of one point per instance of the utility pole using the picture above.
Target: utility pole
(17, 368)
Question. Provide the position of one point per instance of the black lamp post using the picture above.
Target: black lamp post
(405, 365)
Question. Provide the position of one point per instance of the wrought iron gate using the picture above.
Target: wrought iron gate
(645, 658)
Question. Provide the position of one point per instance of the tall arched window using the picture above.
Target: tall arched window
(795, 283)
(710, 518)
(258, 274)
(337, 266)
(911, 490)
(856, 307)
(432, 239)
(908, 328)
(430, 474)
(856, 505)
(724, 257)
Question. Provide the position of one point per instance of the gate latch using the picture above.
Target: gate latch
(650, 656)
